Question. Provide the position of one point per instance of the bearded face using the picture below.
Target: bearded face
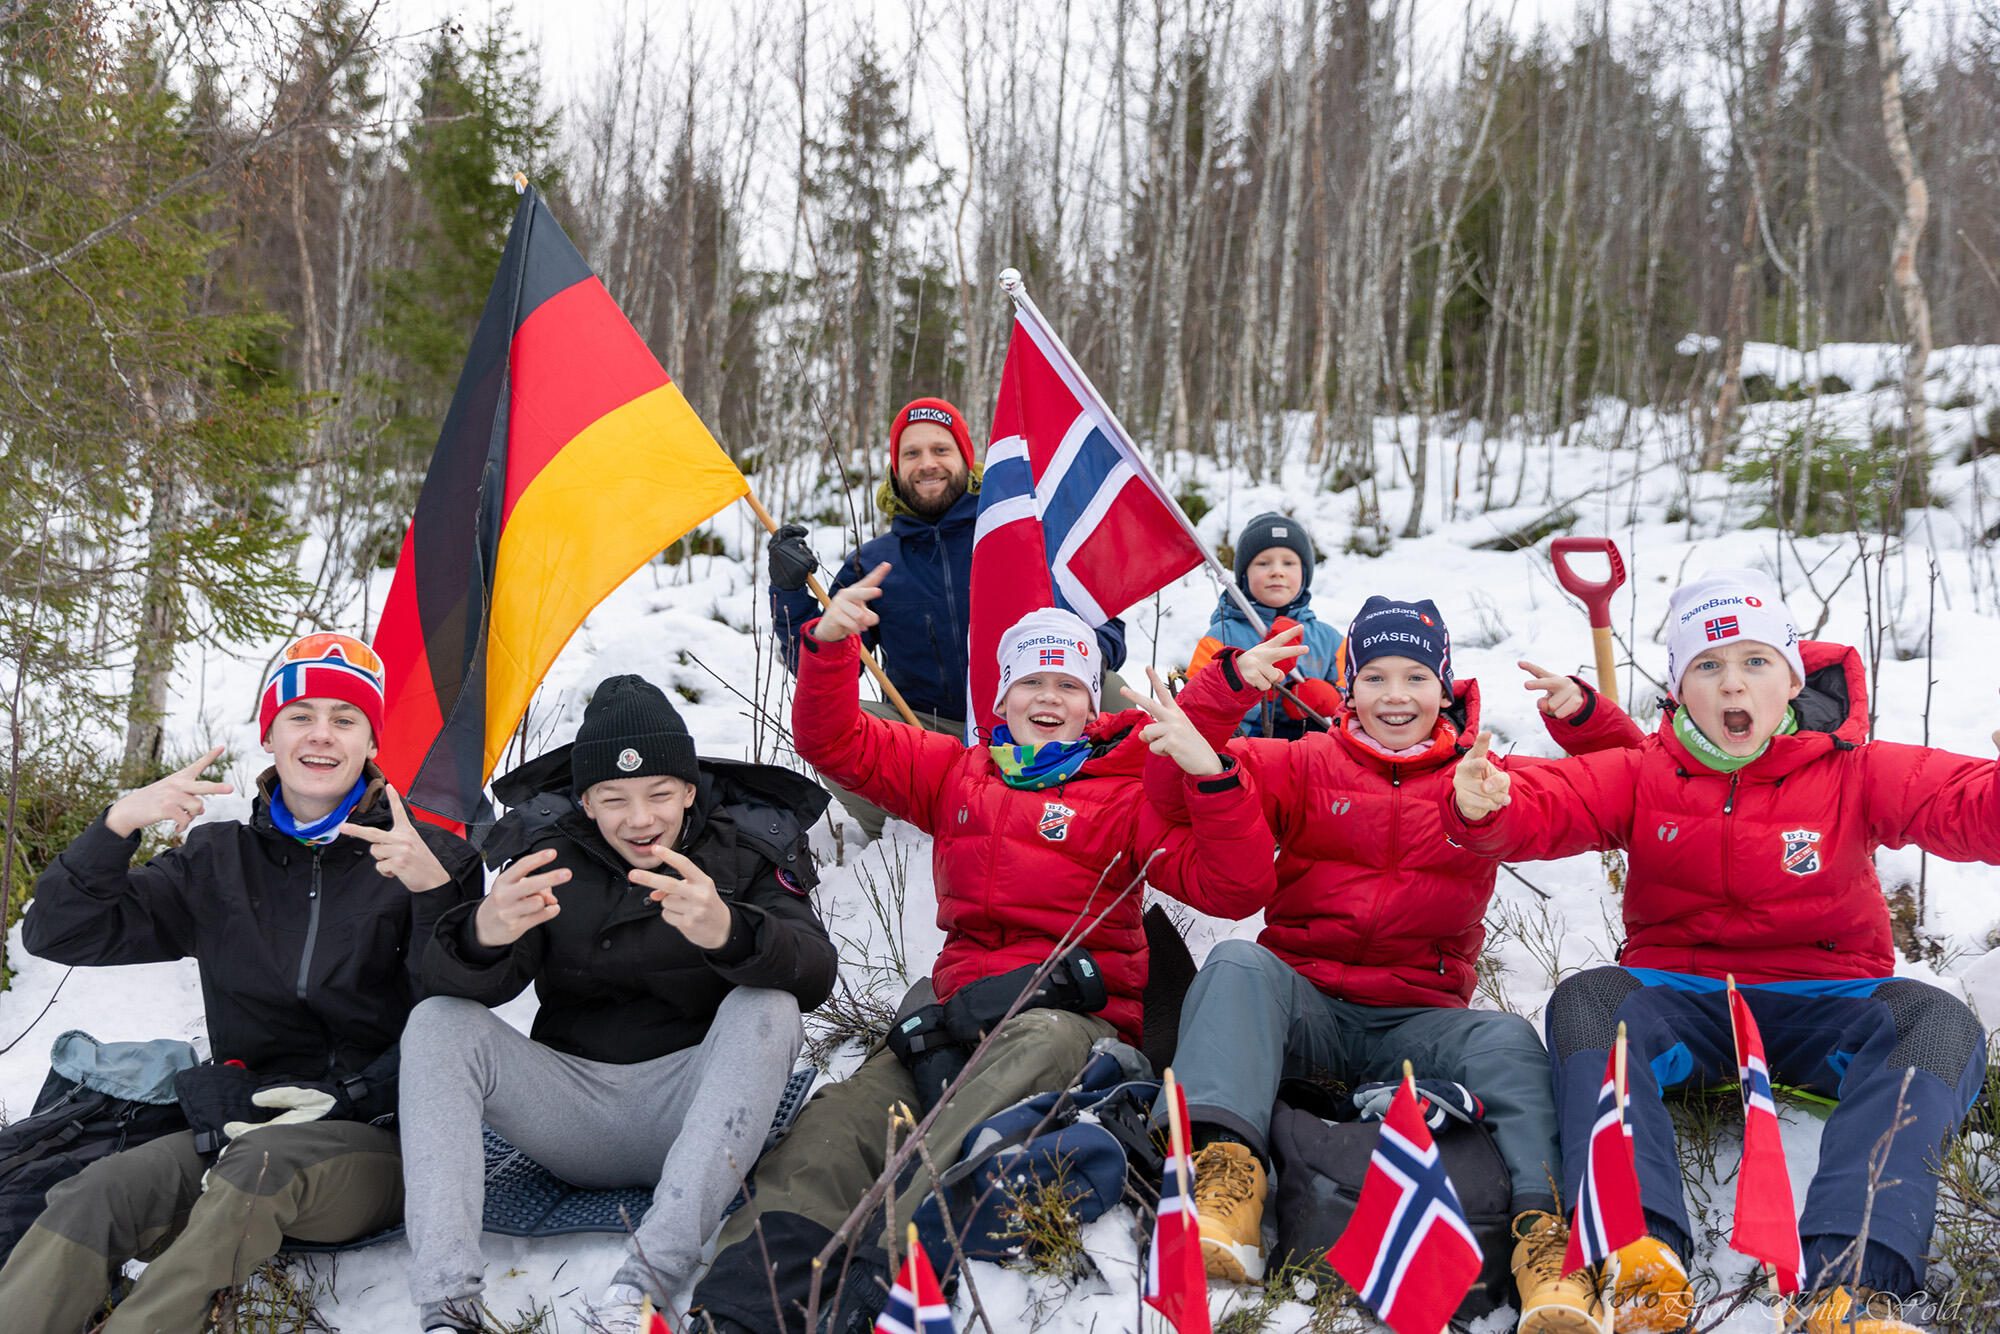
(930, 472)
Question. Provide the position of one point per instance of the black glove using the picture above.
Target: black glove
(791, 560)
(1076, 983)
(930, 1053)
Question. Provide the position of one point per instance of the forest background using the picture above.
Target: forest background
(243, 247)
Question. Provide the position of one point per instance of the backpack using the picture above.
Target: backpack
(1047, 1141)
(1321, 1164)
(99, 1099)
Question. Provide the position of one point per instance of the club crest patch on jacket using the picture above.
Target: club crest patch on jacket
(1054, 825)
(1801, 850)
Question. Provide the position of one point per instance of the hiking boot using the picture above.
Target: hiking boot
(1651, 1293)
(1550, 1303)
(1869, 1312)
(1229, 1207)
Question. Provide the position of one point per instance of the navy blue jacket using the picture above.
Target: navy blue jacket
(926, 608)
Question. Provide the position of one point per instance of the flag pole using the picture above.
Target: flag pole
(1016, 288)
(1176, 1132)
(894, 695)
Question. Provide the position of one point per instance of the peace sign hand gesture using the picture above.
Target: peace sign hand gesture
(1170, 733)
(1265, 664)
(522, 897)
(177, 797)
(849, 612)
(400, 851)
(690, 904)
(1478, 784)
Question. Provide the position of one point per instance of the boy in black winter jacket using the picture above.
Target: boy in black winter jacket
(662, 914)
(307, 922)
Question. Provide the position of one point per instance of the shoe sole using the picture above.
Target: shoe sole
(1560, 1320)
(1237, 1264)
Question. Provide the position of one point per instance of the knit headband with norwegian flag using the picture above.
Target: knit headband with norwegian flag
(324, 666)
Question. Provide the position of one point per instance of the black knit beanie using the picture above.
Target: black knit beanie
(1273, 530)
(630, 731)
(1386, 628)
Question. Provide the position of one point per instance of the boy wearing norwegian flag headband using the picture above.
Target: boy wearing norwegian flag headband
(308, 922)
(1751, 819)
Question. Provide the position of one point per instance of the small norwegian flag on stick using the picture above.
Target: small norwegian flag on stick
(916, 1303)
(652, 1321)
(1608, 1215)
(1767, 1228)
(1176, 1278)
(1408, 1250)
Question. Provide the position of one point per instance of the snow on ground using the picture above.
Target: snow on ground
(700, 627)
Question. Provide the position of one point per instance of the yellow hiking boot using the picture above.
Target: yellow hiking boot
(1651, 1293)
(1229, 1205)
(1550, 1303)
(1851, 1311)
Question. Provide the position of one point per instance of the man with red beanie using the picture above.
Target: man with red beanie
(931, 498)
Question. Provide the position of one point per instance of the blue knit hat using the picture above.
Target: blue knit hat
(1386, 628)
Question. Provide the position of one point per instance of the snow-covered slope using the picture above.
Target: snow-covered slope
(700, 628)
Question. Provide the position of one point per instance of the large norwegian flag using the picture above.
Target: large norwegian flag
(1767, 1228)
(1176, 1277)
(1070, 515)
(1408, 1250)
(1608, 1214)
(916, 1303)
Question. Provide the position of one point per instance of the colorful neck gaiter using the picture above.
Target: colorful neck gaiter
(1032, 768)
(1714, 756)
(323, 830)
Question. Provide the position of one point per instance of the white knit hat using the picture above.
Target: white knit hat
(1726, 605)
(1050, 640)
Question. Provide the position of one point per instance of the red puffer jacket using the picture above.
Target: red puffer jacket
(1767, 873)
(1372, 904)
(1014, 869)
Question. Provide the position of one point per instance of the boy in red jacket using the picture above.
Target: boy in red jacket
(1371, 942)
(1751, 819)
(1034, 837)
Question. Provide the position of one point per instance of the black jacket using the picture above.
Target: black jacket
(616, 983)
(310, 959)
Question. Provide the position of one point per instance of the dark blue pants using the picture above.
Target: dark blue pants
(1850, 1039)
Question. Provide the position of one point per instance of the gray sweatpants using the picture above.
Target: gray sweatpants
(1250, 1020)
(688, 1124)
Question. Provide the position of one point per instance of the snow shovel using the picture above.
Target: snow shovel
(1595, 594)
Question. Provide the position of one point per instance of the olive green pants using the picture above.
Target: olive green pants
(809, 1183)
(325, 1181)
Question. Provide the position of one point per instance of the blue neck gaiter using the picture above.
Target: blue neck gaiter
(323, 830)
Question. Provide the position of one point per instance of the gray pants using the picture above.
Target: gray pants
(1251, 1020)
(689, 1124)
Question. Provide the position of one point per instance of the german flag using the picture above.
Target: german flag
(568, 459)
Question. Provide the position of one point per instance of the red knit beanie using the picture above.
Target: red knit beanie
(931, 410)
(325, 666)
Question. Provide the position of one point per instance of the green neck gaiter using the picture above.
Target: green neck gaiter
(1714, 756)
